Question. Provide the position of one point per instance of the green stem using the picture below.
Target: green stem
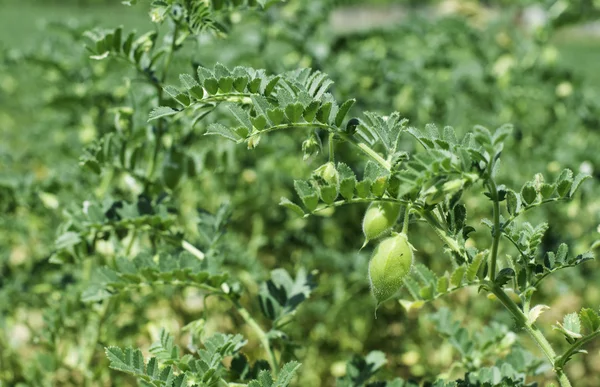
(159, 92)
(496, 232)
(172, 50)
(331, 150)
(406, 220)
(90, 341)
(331, 129)
(262, 336)
(533, 331)
(371, 153)
(442, 233)
(340, 203)
(131, 241)
(560, 362)
(535, 205)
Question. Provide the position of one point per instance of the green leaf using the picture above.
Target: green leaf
(161, 111)
(323, 112)
(225, 84)
(547, 190)
(504, 276)
(328, 193)
(270, 85)
(572, 324)
(254, 85)
(240, 115)
(561, 254)
(276, 115)
(67, 240)
(287, 373)
(363, 188)
(310, 112)
(211, 85)
(442, 284)
(474, 266)
(589, 319)
(564, 182)
(223, 131)
(347, 181)
(292, 206)
(239, 83)
(579, 179)
(501, 133)
(259, 122)
(307, 193)
(457, 276)
(528, 194)
(130, 360)
(221, 71)
(294, 112)
(341, 114)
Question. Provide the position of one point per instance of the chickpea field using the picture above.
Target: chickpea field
(271, 193)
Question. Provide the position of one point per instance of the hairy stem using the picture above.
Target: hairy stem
(340, 203)
(560, 362)
(160, 91)
(262, 336)
(406, 219)
(172, 50)
(331, 129)
(496, 231)
(133, 235)
(371, 153)
(331, 147)
(533, 330)
(442, 233)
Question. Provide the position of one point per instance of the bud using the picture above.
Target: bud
(328, 173)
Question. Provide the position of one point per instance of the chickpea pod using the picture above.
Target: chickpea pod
(390, 264)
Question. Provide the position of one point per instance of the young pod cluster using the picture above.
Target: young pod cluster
(390, 264)
(379, 219)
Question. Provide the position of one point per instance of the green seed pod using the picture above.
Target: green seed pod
(390, 264)
(379, 219)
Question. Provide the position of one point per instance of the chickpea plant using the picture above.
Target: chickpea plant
(427, 184)
(138, 229)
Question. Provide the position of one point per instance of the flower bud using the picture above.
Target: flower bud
(328, 173)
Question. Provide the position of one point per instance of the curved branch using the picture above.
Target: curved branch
(561, 360)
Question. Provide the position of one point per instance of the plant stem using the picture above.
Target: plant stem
(533, 330)
(331, 150)
(560, 362)
(133, 235)
(340, 203)
(496, 232)
(520, 317)
(262, 336)
(170, 54)
(159, 91)
(442, 233)
(374, 155)
(406, 219)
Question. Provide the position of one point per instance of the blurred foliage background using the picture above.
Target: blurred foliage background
(455, 63)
